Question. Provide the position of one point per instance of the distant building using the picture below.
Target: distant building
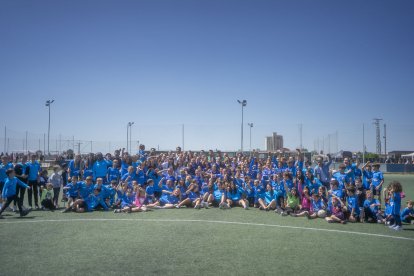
(274, 142)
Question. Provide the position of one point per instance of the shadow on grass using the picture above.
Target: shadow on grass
(408, 229)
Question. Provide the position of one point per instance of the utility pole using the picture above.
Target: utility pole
(48, 104)
(251, 126)
(385, 140)
(183, 136)
(300, 135)
(26, 143)
(363, 143)
(243, 104)
(5, 139)
(378, 134)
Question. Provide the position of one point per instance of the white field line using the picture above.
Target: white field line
(210, 221)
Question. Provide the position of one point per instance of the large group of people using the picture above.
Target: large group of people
(287, 185)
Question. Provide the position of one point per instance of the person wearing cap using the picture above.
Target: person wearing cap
(322, 170)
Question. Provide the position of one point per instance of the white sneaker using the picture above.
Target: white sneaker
(198, 206)
(226, 206)
(205, 205)
(392, 226)
(14, 209)
(221, 205)
(397, 228)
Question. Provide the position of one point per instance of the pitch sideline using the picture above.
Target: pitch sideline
(212, 221)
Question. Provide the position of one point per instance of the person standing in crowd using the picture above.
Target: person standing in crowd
(22, 172)
(100, 167)
(34, 170)
(56, 180)
(322, 170)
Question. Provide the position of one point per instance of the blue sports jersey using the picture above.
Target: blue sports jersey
(342, 179)
(317, 205)
(85, 190)
(397, 204)
(353, 204)
(407, 211)
(113, 174)
(368, 203)
(100, 169)
(269, 196)
(377, 177)
(73, 189)
(94, 201)
(10, 185)
(34, 169)
(74, 171)
(366, 179)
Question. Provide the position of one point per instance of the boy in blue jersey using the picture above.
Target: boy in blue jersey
(72, 192)
(9, 192)
(377, 181)
(114, 172)
(367, 176)
(407, 215)
(352, 213)
(371, 209)
(342, 177)
(150, 192)
(34, 170)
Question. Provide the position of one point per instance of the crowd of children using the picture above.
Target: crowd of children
(137, 183)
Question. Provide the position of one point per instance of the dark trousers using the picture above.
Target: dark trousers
(20, 192)
(48, 203)
(56, 192)
(34, 191)
(280, 202)
(8, 201)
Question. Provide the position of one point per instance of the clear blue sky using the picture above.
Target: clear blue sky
(330, 65)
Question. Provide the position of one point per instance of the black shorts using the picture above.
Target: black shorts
(1, 186)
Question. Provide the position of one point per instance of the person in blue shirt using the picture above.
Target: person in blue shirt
(234, 196)
(72, 192)
(192, 198)
(86, 188)
(350, 170)
(377, 181)
(169, 200)
(318, 207)
(312, 182)
(113, 172)
(22, 171)
(4, 166)
(33, 178)
(268, 202)
(100, 167)
(91, 203)
(367, 175)
(130, 176)
(141, 175)
(9, 192)
(322, 171)
(407, 215)
(353, 211)
(371, 209)
(219, 194)
(75, 166)
(342, 177)
(396, 190)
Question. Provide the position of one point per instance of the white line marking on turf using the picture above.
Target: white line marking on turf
(213, 221)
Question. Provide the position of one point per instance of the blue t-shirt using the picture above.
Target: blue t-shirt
(113, 174)
(377, 177)
(3, 169)
(368, 203)
(10, 185)
(100, 169)
(34, 169)
(353, 204)
(342, 179)
(407, 211)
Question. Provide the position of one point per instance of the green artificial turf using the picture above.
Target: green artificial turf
(103, 243)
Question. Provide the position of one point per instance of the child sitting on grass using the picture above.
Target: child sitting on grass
(337, 214)
(46, 199)
(407, 214)
(371, 209)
